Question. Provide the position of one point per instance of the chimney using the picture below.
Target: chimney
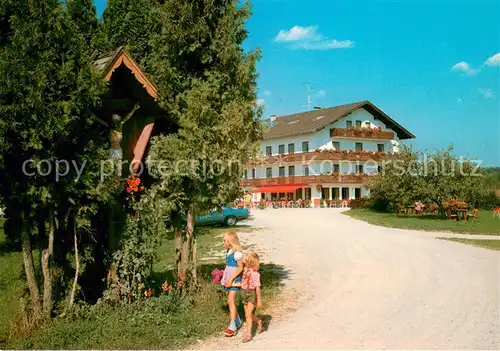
(272, 120)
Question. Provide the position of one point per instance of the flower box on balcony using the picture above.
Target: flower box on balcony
(361, 132)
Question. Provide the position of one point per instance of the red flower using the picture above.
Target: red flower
(137, 218)
(182, 276)
(148, 292)
(165, 286)
(180, 284)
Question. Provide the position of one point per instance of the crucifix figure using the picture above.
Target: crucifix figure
(116, 136)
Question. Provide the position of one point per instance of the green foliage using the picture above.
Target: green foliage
(84, 18)
(50, 89)
(130, 23)
(145, 227)
(208, 83)
(431, 178)
(361, 203)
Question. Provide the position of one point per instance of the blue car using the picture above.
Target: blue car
(226, 216)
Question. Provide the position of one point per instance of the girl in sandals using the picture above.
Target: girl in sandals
(250, 292)
(231, 279)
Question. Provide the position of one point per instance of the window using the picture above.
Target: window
(357, 193)
(359, 146)
(281, 171)
(379, 169)
(281, 149)
(348, 124)
(359, 169)
(298, 194)
(253, 173)
(368, 124)
(306, 170)
(307, 195)
(269, 172)
(291, 148)
(291, 171)
(336, 145)
(305, 146)
(246, 174)
(380, 147)
(335, 193)
(336, 168)
(269, 150)
(358, 124)
(345, 193)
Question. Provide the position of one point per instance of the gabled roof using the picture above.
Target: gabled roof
(314, 121)
(107, 63)
(111, 60)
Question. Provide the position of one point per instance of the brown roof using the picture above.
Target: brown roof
(111, 60)
(313, 121)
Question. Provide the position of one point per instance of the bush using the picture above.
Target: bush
(167, 321)
(488, 202)
(362, 203)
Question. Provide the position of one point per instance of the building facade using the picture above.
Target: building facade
(326, 154)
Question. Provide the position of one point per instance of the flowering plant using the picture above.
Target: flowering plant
(217, 275)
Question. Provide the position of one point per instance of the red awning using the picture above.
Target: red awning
(288, 188)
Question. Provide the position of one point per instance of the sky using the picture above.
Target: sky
(433, 66)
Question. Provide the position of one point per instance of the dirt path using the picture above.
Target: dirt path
(368, 287)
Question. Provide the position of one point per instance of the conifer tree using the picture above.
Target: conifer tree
(48, 89)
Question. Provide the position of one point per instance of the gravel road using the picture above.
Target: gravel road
(359, 286)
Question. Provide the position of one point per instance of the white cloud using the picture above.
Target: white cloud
(493, 60)
(297, 33)
(308, 38)
(488, 94)
(260, 102)
(321, 93)
(465, 68)
(267, 93)
(326, 45)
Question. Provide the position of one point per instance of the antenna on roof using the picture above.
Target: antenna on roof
(309, 100)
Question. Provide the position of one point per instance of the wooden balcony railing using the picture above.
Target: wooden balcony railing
(316, 179)
(330, 155)
(368, 133)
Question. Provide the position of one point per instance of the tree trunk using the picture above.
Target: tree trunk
(192, 243)
(113, 244)
(30, 272)
(47, 254)
(77, 265)
(183, 267)
(178, 249)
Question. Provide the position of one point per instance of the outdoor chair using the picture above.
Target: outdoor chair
(450, 215)
(473, 215)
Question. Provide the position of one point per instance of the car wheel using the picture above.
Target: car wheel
(230, 221)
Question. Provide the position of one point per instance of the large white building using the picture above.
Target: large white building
(324, 154)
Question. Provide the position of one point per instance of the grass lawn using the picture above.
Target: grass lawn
(485, 224)
(11, 287)
(487, 244)
(161, 322)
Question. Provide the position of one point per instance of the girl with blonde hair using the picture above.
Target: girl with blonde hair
(231, 279)
(250, 292)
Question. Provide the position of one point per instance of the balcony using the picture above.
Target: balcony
(325, 155)
(358, 132)
(315, 179)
